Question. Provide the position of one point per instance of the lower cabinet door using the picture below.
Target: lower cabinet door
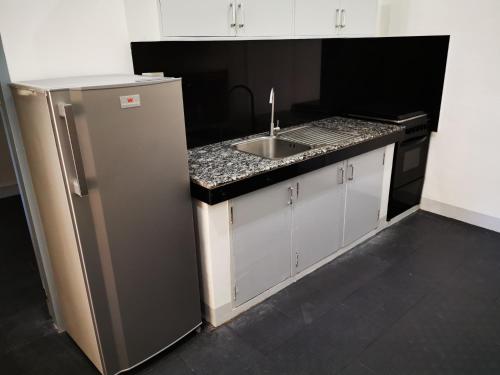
(364, 191)
(261, 241)
(318, 216)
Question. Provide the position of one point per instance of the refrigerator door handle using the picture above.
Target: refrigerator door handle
(80, 185)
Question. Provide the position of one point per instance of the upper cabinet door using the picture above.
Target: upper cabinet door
(263, 18)
(260, 240)
(318, 215)
(317, 17)
(358, 17)
(198, 18)
(364, 192)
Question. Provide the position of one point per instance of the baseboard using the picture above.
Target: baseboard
(8, 191)
(461, 214)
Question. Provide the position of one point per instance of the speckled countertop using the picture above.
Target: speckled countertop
(218, 164)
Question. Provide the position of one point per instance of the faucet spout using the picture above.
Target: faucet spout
(273, 130)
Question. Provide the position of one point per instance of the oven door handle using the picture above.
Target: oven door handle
(414, 142)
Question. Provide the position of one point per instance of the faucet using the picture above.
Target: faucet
(274, 130)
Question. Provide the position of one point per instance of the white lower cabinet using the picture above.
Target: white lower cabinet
(364, 192)
(318, 216)
(260, 241)
(282, 230)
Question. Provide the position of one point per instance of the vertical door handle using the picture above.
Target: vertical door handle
(290, 195)
(350, 172)
(337, 18)
(342, 18)
(233, 14)
(340, 175)
(241, 15)
(80, 185)
(298, 190)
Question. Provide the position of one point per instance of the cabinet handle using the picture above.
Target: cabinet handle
(342, 18)
(290, 196)
(298, 189)
(241, 17)
(337, 18)
(66, 111)
(340, 176)
(233, 14)
(350, 174)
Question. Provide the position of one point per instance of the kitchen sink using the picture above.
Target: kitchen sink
(271, 147)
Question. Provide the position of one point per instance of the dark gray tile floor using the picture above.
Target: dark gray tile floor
(421, 297)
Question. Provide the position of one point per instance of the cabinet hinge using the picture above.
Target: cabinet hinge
(235, 292)
(231, 215)
(340, 175)
(296, 259)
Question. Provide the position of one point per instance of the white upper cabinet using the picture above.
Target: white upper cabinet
(261, 18)
(358, 17)
(316, 17)
(335, 17)
(149, 20)
(198, 18)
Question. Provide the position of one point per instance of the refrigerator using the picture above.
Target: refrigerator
(108, 161)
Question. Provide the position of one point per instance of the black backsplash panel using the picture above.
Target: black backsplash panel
(226, 84)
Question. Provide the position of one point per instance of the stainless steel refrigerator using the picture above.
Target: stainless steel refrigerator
(108, 160)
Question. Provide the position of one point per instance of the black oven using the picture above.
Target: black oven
(410, 160)
(408, 169)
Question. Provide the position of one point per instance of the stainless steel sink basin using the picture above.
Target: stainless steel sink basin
(271, 147)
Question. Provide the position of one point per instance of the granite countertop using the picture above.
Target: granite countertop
(218, 164)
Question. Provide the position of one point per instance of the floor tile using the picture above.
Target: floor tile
(27, 325)
(264, 327)
(54, 354)
(357, 368)
(221, 351)
(436, 337)
(307, 353)
(168, 363)
(480, 279)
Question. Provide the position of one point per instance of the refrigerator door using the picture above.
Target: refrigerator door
(129, 185)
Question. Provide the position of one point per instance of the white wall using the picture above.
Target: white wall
(52, 38)
(464, 161)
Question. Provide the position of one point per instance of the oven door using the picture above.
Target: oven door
(411, 159)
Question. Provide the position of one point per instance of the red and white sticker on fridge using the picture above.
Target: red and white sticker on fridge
(130, 101)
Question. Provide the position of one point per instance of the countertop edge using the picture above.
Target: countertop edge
(240, 187)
